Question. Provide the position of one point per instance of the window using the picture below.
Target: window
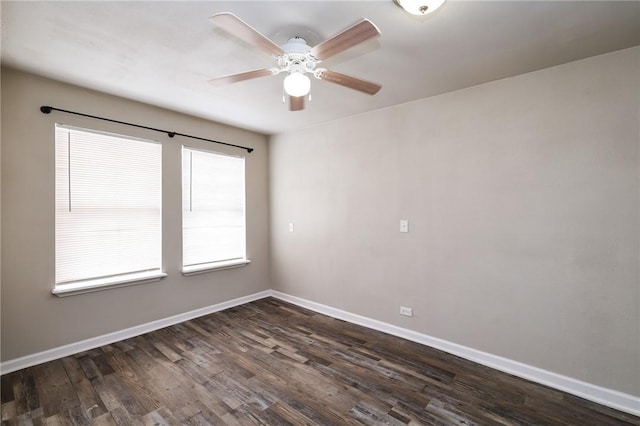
(213, 211)
(108, 210)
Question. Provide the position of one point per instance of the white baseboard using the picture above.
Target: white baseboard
(106, 339)
(611, 398)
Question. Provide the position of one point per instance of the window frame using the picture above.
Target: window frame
(194, 269)
(79, 286)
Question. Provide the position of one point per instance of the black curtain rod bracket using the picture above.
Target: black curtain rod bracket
(45, 109)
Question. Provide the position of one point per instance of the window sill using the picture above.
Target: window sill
(100, 284)
(214, 266)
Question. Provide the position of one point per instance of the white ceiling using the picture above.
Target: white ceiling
(163, 53)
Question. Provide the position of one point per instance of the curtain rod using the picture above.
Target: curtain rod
(47, 110)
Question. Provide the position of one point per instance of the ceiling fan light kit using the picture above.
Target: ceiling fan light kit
(419, 7)
(297, 84)
(297, 59)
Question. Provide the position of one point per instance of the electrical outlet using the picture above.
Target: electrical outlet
(406, 311)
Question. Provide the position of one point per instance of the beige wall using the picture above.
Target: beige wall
(32, 318)
(522, 197)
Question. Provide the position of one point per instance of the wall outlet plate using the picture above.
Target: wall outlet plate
(406, 311)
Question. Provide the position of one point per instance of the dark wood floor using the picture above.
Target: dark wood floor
(272, 363)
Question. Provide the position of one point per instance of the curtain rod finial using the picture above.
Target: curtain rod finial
(46, 109)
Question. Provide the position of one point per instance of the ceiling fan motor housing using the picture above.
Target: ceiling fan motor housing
(297, 57)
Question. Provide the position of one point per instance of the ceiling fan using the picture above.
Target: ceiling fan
(297, 58)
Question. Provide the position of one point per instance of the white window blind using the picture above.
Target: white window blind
(108, 208)
(213, 210)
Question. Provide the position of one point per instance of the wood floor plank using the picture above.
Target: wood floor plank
(272, 363)
(90, 402)
(103, 420)
(54, 389)
(8, 411)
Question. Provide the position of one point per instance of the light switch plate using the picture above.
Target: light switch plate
(404, 225)
(291, 227)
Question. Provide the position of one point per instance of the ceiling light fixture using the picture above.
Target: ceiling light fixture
(297, 84)
(419, 7)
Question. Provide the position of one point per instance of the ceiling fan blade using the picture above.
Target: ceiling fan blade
(234, 78)
(296, 103)
(240, 29)
(355, 34)
(351, 82)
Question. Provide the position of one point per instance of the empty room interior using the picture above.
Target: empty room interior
(320, 212)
